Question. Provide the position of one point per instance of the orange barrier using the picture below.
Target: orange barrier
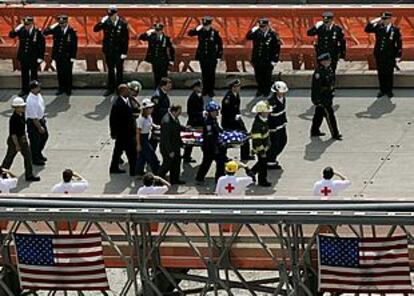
(291, 22)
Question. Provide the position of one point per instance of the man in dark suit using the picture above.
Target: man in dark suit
(265, 55)
(31, 51)
(123, 131)
(387, 51)
(115, 46)
(160, 53)
(209, 52)
(65, 46)
(170, 145)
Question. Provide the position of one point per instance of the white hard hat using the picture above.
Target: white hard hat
(147, 103)
(18, 102)
(260, 107)
(280, 86)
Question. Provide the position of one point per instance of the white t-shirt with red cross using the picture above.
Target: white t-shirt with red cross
(7, 184)
(232, 186)
(71, 187)
(327, 188)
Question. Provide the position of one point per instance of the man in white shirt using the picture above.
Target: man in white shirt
(7, 181)
(230, 185)
(150, 187)
(36, 123)
(72, 183)
(327, 186)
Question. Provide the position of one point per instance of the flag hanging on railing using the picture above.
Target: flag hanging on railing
(61, 262)
(364, 265)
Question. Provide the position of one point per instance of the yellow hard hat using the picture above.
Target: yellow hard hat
(260, 107)
(232, 167)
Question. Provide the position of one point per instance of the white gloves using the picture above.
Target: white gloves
(199, 27)
(73, 60)
(104, 19)
(318, 24)
(273, 64)
(218, 60)
(171, 63)
(123, 56)
(376, 21)
(17, 29)
(205, 114)
(238, 116)
(397, 60)
(39, 61)
(54, 25)
(255, 28)
(150, 31)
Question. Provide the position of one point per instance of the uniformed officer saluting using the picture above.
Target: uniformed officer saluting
(323, 92)
(115, 46)
(265, 55)
(387, 51)
(330, 39)
(209, 52)
(65, 46)
(160, 53)
(31, 51)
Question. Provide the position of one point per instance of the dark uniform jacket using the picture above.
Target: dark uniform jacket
(266, 49)
(230, 107)
(121, 122)
(277, 118)
(65, 45)
(195, 108)
(323, 89)
(160, 49)
(31, 45)
(211, 131)
(116, 37)
(162, 103)
(330, 39)
(260, 136)
(387, 44)
(210, 44)
(170, 135)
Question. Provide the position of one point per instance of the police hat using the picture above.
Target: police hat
(195, 83)
(386, 15)
(112, 9)
(28, 20)
(325, 56)
(34, 84)
(62, 19)
(207, 20)
(235, 82)
(263, 22)
(158, 26)
(327, 15)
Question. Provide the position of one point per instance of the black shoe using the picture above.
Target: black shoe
(38, 162)
(248, 158)
(22, 94)
(68, 93)
(337, 137)
(274, 167)
(108, 92)
(380, 94)
(59, 92)
(179, 182)
(318, 134)
(200, 182)
(43, 158)
(390, 94)
(191, 160)
(116, 171)
(265, 184)
(251, 175)
(33, 179)
(121, 161)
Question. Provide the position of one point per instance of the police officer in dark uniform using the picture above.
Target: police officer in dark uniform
(195, 112)
(231, 118)
(330, 39)
(65, 46)
(115, 46)
(212, 149)
(160, 53)
(162, 103)
(387, 51)
(323, 92)
(31, 51)
(209, 52)
(265, 55)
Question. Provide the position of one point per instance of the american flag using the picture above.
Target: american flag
(61, 262)
(364, 265)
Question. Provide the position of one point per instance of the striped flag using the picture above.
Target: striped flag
(61, 262)
(364, 265)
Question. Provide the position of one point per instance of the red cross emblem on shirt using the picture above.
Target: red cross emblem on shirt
(325, 191)
(229, 188)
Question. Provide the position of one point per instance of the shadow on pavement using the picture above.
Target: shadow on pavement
(316, 147)
(377, 109)
(118, 183)
(59, 104)
(308, 114)
(101, 110)
(21, 182)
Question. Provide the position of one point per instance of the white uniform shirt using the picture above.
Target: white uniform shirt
(35, 106)
(7, 184)
(71, 187)
(145, 124)
(232, 186)
(152, 190)
(330, 187)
